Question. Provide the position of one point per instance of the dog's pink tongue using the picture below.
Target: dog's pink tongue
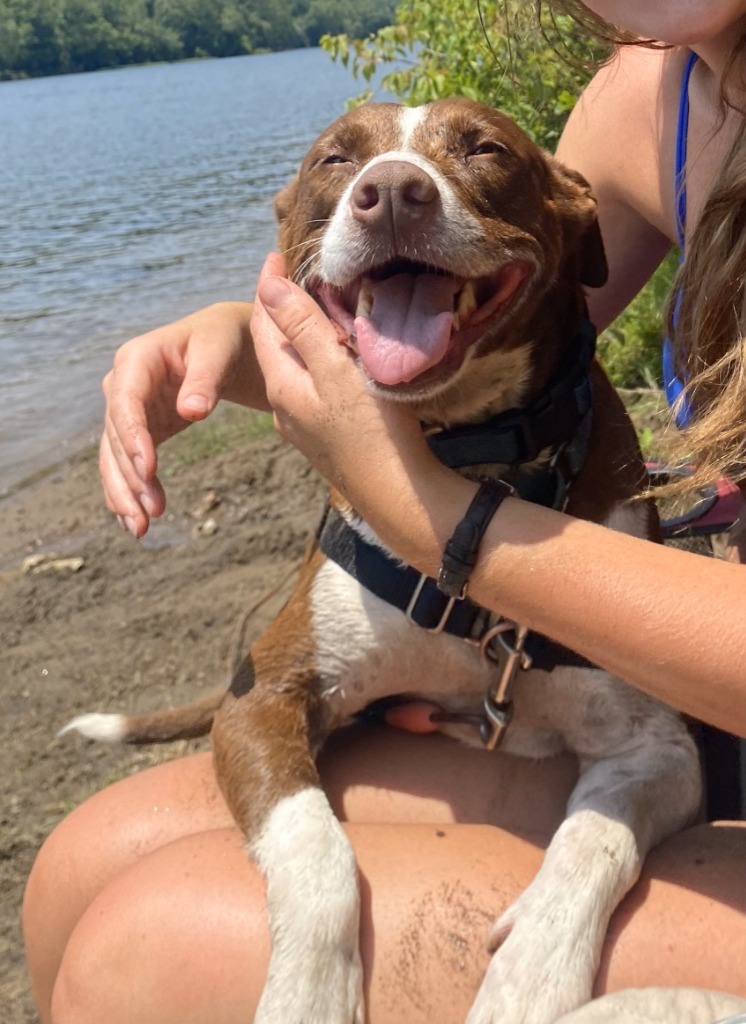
(408, 328)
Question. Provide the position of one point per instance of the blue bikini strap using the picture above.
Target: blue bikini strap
(682, 129)
(672, 385)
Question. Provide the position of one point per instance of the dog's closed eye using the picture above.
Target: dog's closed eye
(488, 149)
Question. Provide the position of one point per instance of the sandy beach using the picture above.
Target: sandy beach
(91, 619)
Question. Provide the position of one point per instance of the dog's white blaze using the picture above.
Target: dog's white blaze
(410, 119)
(104, 728)
(315, 973)
(345, 248)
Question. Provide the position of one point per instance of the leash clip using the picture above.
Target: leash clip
(498, 698)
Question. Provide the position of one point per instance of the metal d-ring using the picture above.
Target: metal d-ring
(498, 698)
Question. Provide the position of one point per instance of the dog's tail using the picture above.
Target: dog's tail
(185, 723)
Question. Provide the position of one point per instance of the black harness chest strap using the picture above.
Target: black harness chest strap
(418, 596)
(518, 436)
(389, 579)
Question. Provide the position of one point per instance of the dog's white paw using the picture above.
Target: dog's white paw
(544, 967)
(315, 972)
(326, 989)
(531, 986)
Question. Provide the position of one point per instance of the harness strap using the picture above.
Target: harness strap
(418, 596)
(518, 436)
(396, 583)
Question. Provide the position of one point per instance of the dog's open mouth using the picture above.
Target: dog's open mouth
(404, 318)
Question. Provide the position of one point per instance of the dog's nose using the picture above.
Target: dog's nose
(393, 193)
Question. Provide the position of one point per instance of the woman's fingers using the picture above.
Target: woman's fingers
(372, 450)
(209, 358)
(311, 379)
(119, 498)
(128, 459)
(303, 324)
(160, 383)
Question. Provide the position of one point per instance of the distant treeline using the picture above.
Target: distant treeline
(51, 37)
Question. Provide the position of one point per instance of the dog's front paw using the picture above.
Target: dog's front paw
(511, 993)
(326, 988)
(539, 972)
(315, 972)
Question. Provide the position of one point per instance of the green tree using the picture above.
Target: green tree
(356, 18)
(39, 35)
(492, 51)
(45, 37)
(15, 35)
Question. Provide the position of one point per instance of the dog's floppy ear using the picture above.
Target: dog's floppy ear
(285, 200)
(576, 206)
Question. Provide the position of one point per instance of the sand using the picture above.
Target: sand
(117, 624)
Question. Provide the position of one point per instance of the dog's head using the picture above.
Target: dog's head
(444, 243)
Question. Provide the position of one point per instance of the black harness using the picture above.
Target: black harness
(558, 422)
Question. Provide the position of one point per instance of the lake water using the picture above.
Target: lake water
(128, 198)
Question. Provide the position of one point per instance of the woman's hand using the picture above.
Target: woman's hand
(160, 383)
(318, 395)
(372, 450)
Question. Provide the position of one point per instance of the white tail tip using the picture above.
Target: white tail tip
(104, 728)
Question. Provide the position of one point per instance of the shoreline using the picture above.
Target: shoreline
(23, 76)
(27, 472)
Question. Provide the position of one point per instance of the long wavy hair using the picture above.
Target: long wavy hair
(708, 328)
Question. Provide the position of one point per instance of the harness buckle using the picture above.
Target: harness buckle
(409, 612)
(498, 698)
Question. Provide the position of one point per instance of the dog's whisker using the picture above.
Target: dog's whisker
(307, 244)
(306, 264)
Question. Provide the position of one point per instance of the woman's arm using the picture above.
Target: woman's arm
(667, 621)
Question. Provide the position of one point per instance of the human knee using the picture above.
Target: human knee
(95, 979)
(50, 880)
(71, 1002)
(137, 953)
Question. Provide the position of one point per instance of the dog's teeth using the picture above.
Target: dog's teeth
(364, 300)
(467, 303)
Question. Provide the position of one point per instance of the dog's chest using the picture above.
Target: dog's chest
(366, 650)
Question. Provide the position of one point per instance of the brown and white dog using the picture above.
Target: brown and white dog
(452, 252)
